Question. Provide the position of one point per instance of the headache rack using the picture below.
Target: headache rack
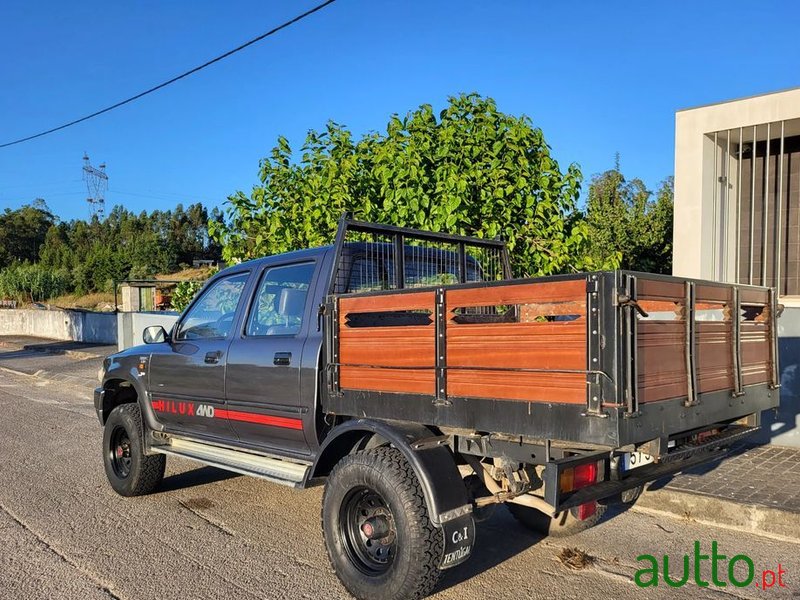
(439, 333)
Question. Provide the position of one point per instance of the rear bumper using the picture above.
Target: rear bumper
(99, 396)
(682, 459)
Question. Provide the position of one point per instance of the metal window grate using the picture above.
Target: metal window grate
(379, 257)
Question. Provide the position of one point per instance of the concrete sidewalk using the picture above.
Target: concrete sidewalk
(754, 489)
(52, 346)
(72, 363)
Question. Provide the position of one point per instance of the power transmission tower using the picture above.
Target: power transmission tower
(96, 184)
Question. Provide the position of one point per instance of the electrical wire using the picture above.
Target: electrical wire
(267, 34)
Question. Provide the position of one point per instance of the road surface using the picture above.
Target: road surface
(210, 534)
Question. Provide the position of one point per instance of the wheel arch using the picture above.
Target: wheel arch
(117, 392)
(434, 466)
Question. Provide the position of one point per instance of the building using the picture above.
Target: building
(737, 214)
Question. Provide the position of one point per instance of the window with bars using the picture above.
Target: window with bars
(756, 210)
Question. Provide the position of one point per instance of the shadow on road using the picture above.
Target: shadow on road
(499, 538)
(195, 477)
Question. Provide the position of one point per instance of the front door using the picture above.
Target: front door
(187, 375)
(264, 363)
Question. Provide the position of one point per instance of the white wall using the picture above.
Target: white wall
(73, 325)
(131, 324)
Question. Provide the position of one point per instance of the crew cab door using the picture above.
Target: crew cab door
(264, 363)
(187, 375)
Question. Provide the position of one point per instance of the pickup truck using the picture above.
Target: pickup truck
(410, 374)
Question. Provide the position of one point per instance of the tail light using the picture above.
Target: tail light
(579, 477)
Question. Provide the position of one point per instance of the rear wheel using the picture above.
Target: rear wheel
(129, 470)
(379, 537)
(564, 524)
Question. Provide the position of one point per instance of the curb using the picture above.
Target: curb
(65, 378)
(771, 522)
(77, 354)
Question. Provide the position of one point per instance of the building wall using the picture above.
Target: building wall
(694, 155)
(696, 244)
(73, 325)
(131, 325)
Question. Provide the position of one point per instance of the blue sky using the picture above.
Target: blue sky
(597, 77)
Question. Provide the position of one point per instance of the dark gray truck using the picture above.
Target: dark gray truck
(423, 386)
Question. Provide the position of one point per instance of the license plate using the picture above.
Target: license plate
(632, 460)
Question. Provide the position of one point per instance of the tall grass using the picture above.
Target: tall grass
(33, 283)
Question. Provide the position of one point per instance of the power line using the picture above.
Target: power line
(273, 31)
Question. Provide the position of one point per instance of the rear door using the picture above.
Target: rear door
(187, 375)
(264, 364)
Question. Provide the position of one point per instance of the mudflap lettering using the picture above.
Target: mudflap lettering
(459, 540)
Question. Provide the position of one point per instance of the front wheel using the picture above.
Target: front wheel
(380, 540)
(129, 470)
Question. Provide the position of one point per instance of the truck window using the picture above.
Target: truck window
(280, 302)
(212, 315)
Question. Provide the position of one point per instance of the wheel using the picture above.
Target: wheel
(563, 524)
(129, 470)
(379, 538)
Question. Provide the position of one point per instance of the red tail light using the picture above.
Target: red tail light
(585, 474)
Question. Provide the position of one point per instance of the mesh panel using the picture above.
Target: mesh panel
(368, 261)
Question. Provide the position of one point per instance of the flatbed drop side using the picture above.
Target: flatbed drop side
(428, 386)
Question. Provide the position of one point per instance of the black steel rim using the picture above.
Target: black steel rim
(370, 556)
(120, 452)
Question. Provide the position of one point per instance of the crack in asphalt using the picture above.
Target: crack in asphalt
(94, 578)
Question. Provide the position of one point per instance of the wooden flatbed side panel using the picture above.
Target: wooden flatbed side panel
(755, 352)
(714, 357)
(362, 348)
(661, 360)
(657, 289)
(405, 381)
(548, 339)
(523, 386)
(522, 293)
(547, 345)
(387, 302)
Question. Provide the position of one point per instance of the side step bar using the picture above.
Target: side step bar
(271, 469)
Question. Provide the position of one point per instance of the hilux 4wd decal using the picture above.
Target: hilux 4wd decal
(193, 409)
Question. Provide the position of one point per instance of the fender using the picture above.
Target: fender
(434, 466)
(123, 369)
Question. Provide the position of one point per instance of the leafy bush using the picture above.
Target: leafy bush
(184, 293)
(33, 283)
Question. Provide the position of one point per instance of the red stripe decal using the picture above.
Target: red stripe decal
(235, 415)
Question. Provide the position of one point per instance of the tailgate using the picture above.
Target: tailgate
(697, 353)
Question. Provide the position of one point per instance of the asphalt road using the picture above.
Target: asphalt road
(210, 534)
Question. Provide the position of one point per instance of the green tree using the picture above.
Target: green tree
(23, 231)
(626, 220)
(472, 170)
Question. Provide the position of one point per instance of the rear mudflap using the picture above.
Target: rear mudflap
(459, 540)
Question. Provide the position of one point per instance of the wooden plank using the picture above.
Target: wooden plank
(660, 361)
(522, 293)
(387, 302)
(388, 380)
(656, 289)
(529, 387)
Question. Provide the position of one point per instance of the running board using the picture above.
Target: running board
(272, 469)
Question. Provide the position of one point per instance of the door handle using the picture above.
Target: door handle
(213, 357)
(282, 359)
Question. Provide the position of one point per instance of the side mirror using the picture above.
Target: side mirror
(155, 334)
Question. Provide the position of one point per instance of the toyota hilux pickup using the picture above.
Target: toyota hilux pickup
(422, 385)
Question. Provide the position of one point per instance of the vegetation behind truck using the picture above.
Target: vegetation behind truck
(408, 373)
